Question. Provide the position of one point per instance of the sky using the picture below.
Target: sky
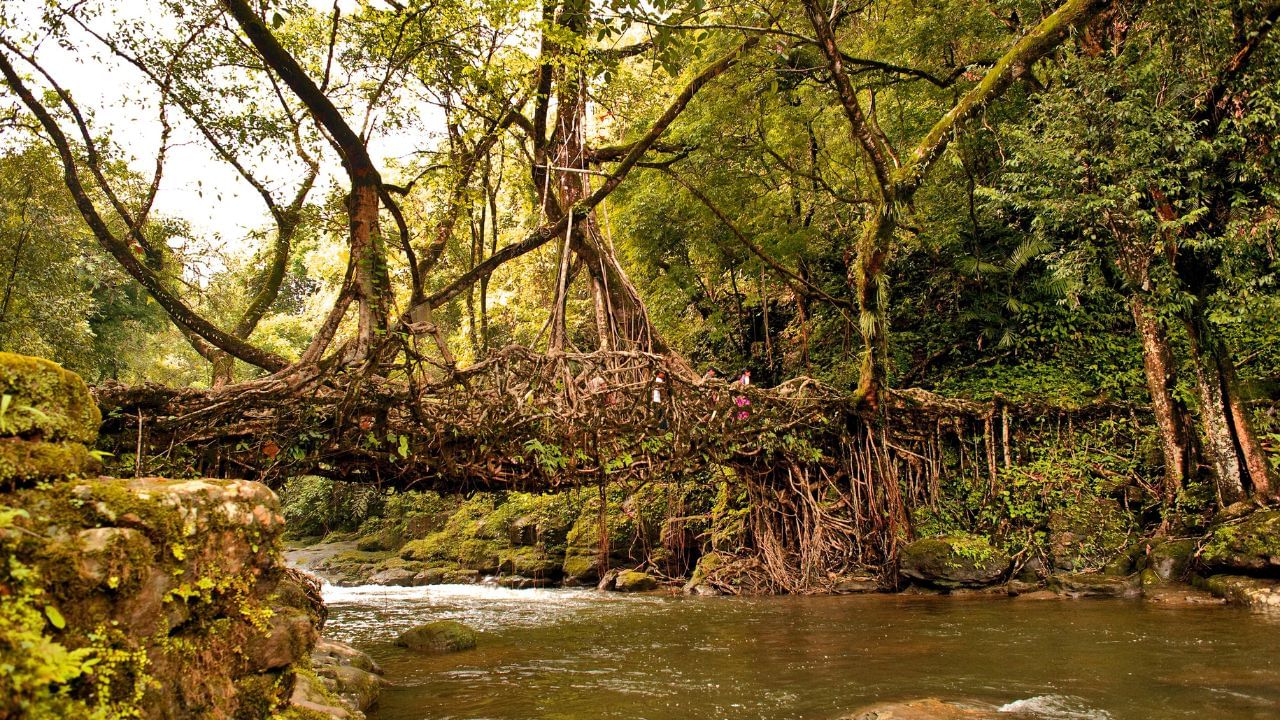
(197, 187)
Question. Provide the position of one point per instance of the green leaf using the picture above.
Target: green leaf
(55, 617)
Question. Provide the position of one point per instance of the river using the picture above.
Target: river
(570, 654)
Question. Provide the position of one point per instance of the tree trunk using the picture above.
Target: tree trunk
(871, 289)
(1157, 363)
(366, 257)
(1215, 418)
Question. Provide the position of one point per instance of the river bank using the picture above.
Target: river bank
(522, 541)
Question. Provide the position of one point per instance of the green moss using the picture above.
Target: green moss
(1252, 545)
(23, 461)
(46, 401)
(529, 561)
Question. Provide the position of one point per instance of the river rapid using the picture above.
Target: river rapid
(570, 654)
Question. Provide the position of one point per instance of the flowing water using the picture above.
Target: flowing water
(570, 654)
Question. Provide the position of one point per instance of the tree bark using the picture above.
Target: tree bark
(1157, 364)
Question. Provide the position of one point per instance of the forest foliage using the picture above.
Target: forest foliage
(1060, 203)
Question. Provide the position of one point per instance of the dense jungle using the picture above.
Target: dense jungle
(907, 359)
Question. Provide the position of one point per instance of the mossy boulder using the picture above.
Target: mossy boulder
(1250, 546)
(703, 571)
(442, 636)
(45, 401)
(953, 561)
(348, 673)
(580, 569)
(634, 581)
(1168, 560)
(1251, 592)
(446, 574)
(177, 587)
(530, 561)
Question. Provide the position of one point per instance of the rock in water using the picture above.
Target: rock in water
(1250, 592)
(348, 673)
(929, 709)
(442, 636)
(634, 581)
(953, 562)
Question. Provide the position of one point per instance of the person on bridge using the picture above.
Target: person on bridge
(742, 401)
(659, 398)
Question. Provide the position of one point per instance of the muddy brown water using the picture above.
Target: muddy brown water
(570, 654)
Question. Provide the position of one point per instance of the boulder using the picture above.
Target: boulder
(311, 695)
(1251, 592)
(703, 571)
(447, 575)
(358, 689)
(1168, 560)
(953, 561)
(348, 674)
(1088, 585)
(399, 577)
(289, 638)
(930, 709)
(579, 569)
(634, 581)
(331, 653)
(442, 636)
(1250, 546)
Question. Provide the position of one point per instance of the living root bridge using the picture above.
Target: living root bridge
(828, 490)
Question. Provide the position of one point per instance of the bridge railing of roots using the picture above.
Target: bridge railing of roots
(829, 490)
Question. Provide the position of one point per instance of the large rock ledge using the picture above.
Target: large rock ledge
(164, 598)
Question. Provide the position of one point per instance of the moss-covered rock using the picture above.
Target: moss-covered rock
(580, 569)
(441, 636)
(953, 561)
(1168, 561)
(23, 462)
(634, 581)
(175, 589)
(704, 571)
(1251, 592)
(530, 561)
(45, 401)
(1250, 546)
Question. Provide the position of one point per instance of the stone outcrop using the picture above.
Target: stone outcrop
(953, 562)
(342, 684)
(147, 597)
(181, 580)
(48, 422)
